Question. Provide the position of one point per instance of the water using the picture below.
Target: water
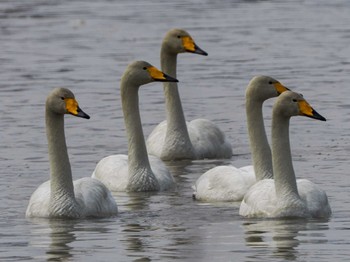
(86, 45)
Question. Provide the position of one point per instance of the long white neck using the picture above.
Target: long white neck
(261, 152)
(62, 190)
(177, 132)
(284, 176)
(141, 177)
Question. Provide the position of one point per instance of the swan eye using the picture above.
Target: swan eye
(144, 68)
(62, 97)
(294, 100)
(179, 36)
(270, 82)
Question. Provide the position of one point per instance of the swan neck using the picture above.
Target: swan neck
(259, 145)
(137, 152)
(60, 170)
(168, 62)
(175, 116)
(285, 181)
(176, 122)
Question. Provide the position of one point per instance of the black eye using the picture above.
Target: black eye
(270, 82)
(62, 97)
(144, 68)
(294, 100)
(179, 36)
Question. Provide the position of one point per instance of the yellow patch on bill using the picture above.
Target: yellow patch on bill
(280, 88)
(305, 108)
(155, 73)
(72, 106)
(188, 43)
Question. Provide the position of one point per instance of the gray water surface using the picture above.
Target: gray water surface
(86, 45)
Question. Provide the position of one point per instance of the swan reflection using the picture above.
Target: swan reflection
(62, 234)
(67, 239)
(282, 235)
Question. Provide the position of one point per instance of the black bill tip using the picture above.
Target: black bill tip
(199, 51)
(317, 116)
(167, 78)
(82, 114)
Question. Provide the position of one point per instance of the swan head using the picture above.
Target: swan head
(264, 87)
(140, 73)
(291, 104)
(179, 41)
(62, 101)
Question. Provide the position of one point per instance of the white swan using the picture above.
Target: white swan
(284, 196)
(174, 138)
(135, 172)
(228, 183)
(60, 197)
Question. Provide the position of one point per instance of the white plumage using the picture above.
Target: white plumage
(113, 172)
(136, 171)
(60, 197)
(228, 183)
(284, 196)
(176, 139)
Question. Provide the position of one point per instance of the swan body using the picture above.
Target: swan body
(284, 196)
(136, 171)
(223, 183)
(261, 201)
(112, 171)
(174, 138)
(60, 197)
(228, 183)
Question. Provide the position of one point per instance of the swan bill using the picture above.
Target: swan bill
(191, 47)
(307, 110)
(73, 108)
(82, 114)
(159, 76)
(280, 88)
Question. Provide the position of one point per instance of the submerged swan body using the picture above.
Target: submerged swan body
(228, 183)
(136, 171)
(284, 196)
(60, 197)
(174, 138)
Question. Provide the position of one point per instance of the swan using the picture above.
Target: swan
(228, 183)
(60, 197)
(174, 138)
(284, 196)
(136, 171)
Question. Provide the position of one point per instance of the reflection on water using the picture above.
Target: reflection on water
(62, 238)
(56, 236)
(62, 234)
(86, 48)
(283, 235)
